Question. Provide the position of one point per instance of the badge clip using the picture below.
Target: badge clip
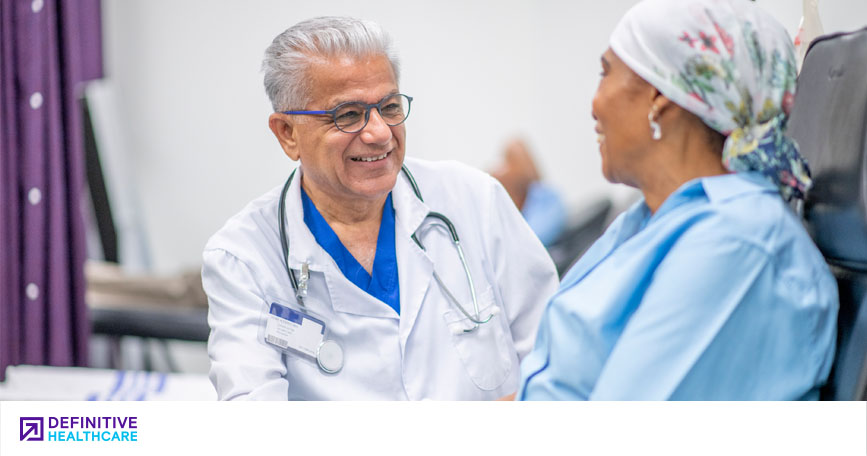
(302, 284)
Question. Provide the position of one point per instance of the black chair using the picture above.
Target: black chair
(581, 232)
(160, 325)
(829, 122)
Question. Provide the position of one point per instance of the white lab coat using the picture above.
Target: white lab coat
(413, 355)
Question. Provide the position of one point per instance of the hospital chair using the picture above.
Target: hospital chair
(829, 122)
(145, 306)
(582, 230)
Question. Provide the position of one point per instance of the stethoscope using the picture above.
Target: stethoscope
(300, 287)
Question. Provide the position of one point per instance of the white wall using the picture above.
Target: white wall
(193, 114)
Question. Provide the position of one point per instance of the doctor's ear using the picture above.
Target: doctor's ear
(284, 129)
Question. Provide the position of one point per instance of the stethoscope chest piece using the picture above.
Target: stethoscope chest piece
(329, 356)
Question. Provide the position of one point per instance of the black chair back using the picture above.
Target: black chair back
(581, 232)
(829, 122)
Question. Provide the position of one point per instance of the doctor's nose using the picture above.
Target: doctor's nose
(376, 131)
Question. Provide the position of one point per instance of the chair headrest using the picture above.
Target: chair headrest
(829, 122)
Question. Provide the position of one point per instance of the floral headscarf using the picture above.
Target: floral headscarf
(731, 64)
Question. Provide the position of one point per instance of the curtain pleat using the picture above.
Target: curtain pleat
(49, 48)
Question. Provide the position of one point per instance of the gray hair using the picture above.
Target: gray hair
(289, 55)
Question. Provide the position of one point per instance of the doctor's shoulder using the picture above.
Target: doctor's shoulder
(251, 235)
(450, 180)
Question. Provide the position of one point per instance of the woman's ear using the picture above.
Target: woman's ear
(660, 104)
(285, 129)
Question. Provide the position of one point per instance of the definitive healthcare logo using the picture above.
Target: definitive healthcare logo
(79, 429)
(31, 428)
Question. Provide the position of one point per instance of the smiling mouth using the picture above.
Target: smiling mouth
(371, 159)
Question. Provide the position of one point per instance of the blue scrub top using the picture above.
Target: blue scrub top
(719, 295)
(383, 283)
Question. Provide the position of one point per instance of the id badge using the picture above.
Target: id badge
(289, 329)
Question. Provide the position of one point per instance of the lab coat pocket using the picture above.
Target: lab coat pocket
(485, 351)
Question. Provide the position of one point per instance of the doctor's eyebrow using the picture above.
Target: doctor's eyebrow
(335, 104)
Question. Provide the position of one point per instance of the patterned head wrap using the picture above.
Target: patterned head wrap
(731, 64)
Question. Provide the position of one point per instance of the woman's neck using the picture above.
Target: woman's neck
(678, 162)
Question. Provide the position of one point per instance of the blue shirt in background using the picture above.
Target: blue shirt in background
(383, 283)
(545, 212)
(719, 295)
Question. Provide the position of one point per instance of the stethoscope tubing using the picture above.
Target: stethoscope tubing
(301, 292)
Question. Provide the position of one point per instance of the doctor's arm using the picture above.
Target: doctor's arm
(243, 366)
(525, 274)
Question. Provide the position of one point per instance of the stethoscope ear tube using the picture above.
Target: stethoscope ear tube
(454, 233)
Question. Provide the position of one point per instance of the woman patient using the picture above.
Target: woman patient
(708, 288)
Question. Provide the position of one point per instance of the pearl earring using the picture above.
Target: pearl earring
(654, 125)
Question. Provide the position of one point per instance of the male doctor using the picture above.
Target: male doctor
(346, 282)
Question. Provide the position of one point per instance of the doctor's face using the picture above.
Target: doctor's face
(349, 166)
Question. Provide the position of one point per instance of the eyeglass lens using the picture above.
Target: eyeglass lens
(393, 109)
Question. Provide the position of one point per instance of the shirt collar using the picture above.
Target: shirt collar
(716, 189)
(728, 186)
(410, 212)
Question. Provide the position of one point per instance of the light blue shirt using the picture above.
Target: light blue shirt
(545, 212)
(719, 295)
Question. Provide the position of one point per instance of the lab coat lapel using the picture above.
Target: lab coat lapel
(415, 268)
(302, 245)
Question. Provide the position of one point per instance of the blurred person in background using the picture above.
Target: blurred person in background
(539, 203)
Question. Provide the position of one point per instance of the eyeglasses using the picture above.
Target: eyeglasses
(352, 116)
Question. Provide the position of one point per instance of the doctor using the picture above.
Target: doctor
(367, 276)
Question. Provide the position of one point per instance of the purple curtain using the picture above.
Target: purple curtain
(48, 48)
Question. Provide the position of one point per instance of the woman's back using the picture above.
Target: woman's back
(720, 294)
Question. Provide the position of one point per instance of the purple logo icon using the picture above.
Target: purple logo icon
(31, 428)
